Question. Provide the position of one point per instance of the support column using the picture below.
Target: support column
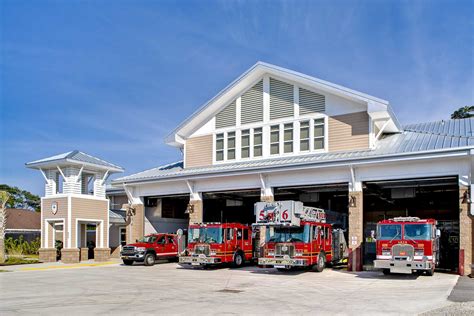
(135, 221)
(466, 233)
(356, 227)
(195, 208)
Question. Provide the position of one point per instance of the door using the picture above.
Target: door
(160, 247)
(171, 248)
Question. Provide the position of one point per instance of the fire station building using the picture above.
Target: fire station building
(276, 134)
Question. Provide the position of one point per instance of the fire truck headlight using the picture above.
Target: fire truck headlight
(298, 253)
(212, 253)
(386, 252)
(271, 253)
(141, 249)
(419, 252)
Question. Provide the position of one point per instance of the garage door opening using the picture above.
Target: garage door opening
(436, 198)
(230, 206)
(332, 198)
(166, 214)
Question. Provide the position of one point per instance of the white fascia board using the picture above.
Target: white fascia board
(65, 162)
(367, 161)
(251, 76)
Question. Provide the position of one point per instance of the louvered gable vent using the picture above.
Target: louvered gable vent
(226, 117)
(281, 99)
(311, 102)
(252, 105)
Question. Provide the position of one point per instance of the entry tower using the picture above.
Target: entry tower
(74, 209)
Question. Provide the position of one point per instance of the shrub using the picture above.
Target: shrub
(19, 247)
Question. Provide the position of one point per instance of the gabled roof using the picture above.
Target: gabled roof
(377, 107)
(434, 137)
(23, 219)
(74, 157)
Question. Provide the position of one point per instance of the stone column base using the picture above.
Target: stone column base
(84, 254)
(101, 254)
(47, 255)
(70, 255)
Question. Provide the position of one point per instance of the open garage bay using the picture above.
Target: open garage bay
(168, 289)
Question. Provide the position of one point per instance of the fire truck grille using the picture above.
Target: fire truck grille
(202, 250)
(403, 251)
(284, 250)
(128, 250)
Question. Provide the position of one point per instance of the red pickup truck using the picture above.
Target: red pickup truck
(151, 248)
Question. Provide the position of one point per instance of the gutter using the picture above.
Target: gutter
(440, 153)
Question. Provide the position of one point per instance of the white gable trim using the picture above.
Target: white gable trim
(379, 107)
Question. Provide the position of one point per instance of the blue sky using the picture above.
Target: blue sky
(113, 78)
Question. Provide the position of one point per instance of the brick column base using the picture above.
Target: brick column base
(70, 255)
(101, 254)
(47, 255)
(84, 254)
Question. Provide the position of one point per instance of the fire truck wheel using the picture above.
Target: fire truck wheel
(149, 259)
(128, 262)
(430, 272)
(238, 260)
(386, 271)
(319, 266)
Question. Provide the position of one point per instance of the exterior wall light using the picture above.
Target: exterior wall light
(466, 199)
(189, 209)
(352, 201)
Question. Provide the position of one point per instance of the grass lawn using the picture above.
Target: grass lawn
(20, 260)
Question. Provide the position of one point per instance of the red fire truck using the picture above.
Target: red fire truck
(298, 236)
(407, 244)
(217, 243)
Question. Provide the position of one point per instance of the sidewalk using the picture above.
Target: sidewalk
(58, 265)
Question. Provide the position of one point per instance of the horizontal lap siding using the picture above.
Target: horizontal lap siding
(348, 131)
(198, 151)
(89, 209)
(311, 102)
(47, 214)
(226, 118)
(281, 99)
(252, 105)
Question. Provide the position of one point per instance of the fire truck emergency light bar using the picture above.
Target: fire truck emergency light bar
(286, 213)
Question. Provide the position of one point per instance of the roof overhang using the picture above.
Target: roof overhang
(52, 164)
(377, 108)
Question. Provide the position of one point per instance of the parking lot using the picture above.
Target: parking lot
(169, 289)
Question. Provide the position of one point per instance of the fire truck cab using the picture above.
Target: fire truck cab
(298, 236)
(217, 243)
(407, 244)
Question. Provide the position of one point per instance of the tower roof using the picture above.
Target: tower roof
(74, 157)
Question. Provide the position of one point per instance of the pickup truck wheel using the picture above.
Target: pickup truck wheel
(238, 260)
(386, 271)
(128, 262)
(319, 266)
(149, 259)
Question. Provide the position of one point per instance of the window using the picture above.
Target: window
(257, 142)
(319, 134)
(304, 136)
(246, 234)
(229, 234)
(245, 140)
(275, 140)
(230, 145)
(220, 147)
(239, 234)
(288, 138)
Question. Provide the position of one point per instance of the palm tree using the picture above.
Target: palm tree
(463, 112)
(4, 196)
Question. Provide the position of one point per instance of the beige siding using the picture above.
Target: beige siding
(48, 214)
(89, 209)
(349, 131)
(198, 151)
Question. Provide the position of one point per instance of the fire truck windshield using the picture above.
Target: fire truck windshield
(211, 235)
(417, 231)
(147, 239)
(389, 232)
(288, 234)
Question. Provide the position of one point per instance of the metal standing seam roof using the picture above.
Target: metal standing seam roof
(75, 156)
(415, 139)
